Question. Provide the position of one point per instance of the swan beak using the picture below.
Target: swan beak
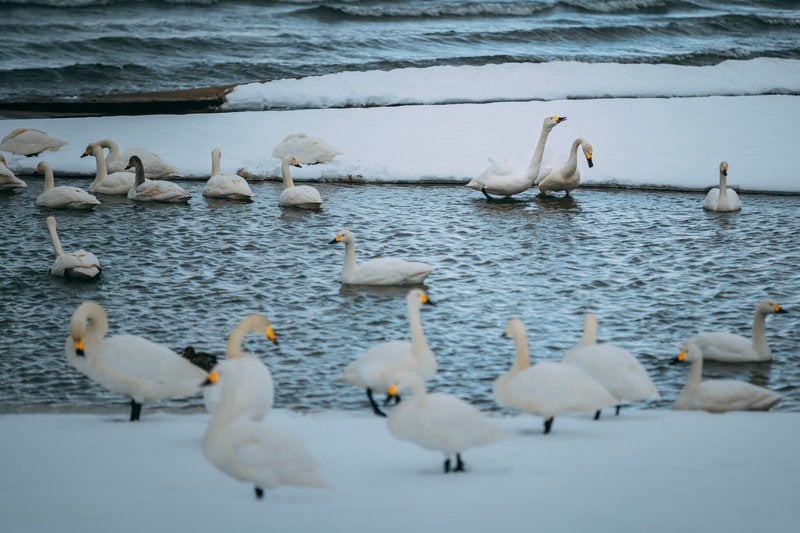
(724, 171)
(589, 160)
(679, 359)
(79, 348)
(336, 239)
(392, 391)
(212, 378)
(86, 153)
(271, 335)
(129, 166)
(779, 309)
(425, 300)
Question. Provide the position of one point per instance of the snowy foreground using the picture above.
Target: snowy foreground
(645, 470)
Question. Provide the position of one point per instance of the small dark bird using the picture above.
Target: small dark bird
(206, 361)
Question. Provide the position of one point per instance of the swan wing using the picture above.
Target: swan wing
(228, 186)
(732, 395)
(64, 197)
(391, 271)
(307, 150)
(379, 364)
(114, 183)
(616, 369)
(728, 347)
(154, 166)
(159, 191)
(300, 195)
(81, 264)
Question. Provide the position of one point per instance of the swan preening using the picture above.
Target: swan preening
(8, 181)
(300, 196)
(721, 395)
(78, 265)
(228, 186)
(63, 196)
(379, 271)
(732, 348)
(722, 198)
(568, 177)
(145, 190)
(29, 142)
(307, 150)
(116, 183)
(377, 368)
(505, 180)
(154, 166)
(128, 364)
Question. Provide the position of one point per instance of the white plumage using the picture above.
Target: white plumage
(29, 142)
(722, 198)
(160, 191)
(300, 196)
(80, 264)
(307, 150)
(568, 177)
(8, 181)
(378, 271)
(154, 166)
(63, 196)
(228, 186)
(116, 183)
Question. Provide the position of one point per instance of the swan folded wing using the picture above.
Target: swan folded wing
(159, 191)
(391, 271)
(227, 185)
(307, 150)
(722, 346)
(731, 395)
(300, 194)
(154, 166)
(616, 369)
(378, 366)
(80, 263)
(555, 389)
(115, 183)
(467, 425)
(494, 175)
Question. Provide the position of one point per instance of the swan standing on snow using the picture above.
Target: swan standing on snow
(249, 450)
(104, 183)
(718, 396)
(439, 422)
(154, 190)
(505, 180)
(379, 271)
(732, 348)
(377, 368)
(128, 364)
(29, 142)
(307, 150)
(63, 196)
(300, 196)
(568, 177)
(8, 181)
(80, 264)
(722, 198)
(228, 186)
(155, 167)
(547, 389)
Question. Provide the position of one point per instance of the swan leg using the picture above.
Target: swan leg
(375, 408)
(259, 493)
(459, 464)
(486, 194)
(447, 465)
(136, 410)
(548, 424)
(597, 415)
(617, 413)
(390, 397)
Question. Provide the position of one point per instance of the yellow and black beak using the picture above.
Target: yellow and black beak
(425, 300)
(212, 379)
(724, 171)
(779, 309)
(679, 359)
(559, 119)
(589, 160)
(85, 153)
(336, 239)
(271, 335)
(79, 347)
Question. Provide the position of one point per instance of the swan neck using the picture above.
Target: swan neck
(215, 164)
(589, 337)
(251, 324)
(59, 251)
(287, 177)
(538, 153)
(102, 173)
(759, 335)
(113, 150)
(692, 383)
(723, 185)
(522, 359)
(349, 259)
(139, 173)
(415, 325)
(49, 178)
(97, 327)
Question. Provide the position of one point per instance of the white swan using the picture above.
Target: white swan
(505, 180)
(732, 348)
(568, 177)
(300, 196)
(547, 389)
(249, 450)
(154, 190)
(29, 142)
(439, 422)
(721, 395)
(63, 196)
(104, 183)
(80, 264)
(258, 386)
(377, 368)
(154, 166)
(307, 150)
(722, 198)
(8, 181)
(379, 271)
(229, 186)
(128, 364)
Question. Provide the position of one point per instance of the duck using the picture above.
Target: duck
(548, 389)
(505, 180)
(75, 265)
(719, 395)
(155, 167)
(300, 196)
(129, 365)
(8, 181)
(378, 271)
(29, 142)
(116, 183)
(228, 186)
(722, 198)
(63, 196)
(568, 177)
(733, 348)
(249, 450)
(154, 190)
(378, 366)
(307, 150)
(204, 360)
(439, 422)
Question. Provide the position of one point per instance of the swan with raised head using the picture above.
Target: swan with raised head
(733, 348)
(79, 265)
(439, 422)
(381, 270)
(63, 196)
(307, 150)
(568, 177)
(160, 191)
(377, 368)
(116, 183)
(252, 451)
(29, 142)
(154, 166)
(128, 364)
(548, 389)
(505, 180)
(722, 198)
(719, 395)
(228, 186)
(300, 196)
(8, 181)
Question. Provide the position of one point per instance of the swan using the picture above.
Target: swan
(732, 348)
(505, 180)
(377, 367)
(8, 181)
(439, 422)
(155, 167)
(63, 196)
(80, 264)
(547, 389)
(258, 386)
(301, 196)
(227, 186)
(379, 271)
(722, 198)
(249, 450)
(29, 142)
(568, 177)
(115, 183)
(154, 190)
(614, 367)
(128, 364)
(719, 395)
(307, 150)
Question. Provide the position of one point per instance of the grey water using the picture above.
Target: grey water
(653, 266)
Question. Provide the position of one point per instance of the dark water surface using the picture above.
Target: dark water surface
(653, 266)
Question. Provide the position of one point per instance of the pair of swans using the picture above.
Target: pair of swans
(63, 196)
(155, 167)
(721, 198)
(116, 183)
(226, 186)
(307, 150)
(77, 265)
(29, 142)
(298, 196)
(160, 191)
(9, 182)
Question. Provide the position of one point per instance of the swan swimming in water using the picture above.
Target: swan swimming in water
(300, 196)
(229, 186)
(160, 191)
(722, 198)
(63, 196)
(307, 150)
(568, 177)
(78, 265)
(29, 142)
(8, 181)
(154, 166)
(378, 271)
(116, 183)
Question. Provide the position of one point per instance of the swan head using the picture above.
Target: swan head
(405, 381)
(343, 236)
(551, 122)
(85, 314)
(43, 166)
(689, 353)
(723, 168)
(134, 162)
(93, 149)
(418, 297)
(588, 152)
(513, 328)
(216, 152)
(291, 161)
(769, 307)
